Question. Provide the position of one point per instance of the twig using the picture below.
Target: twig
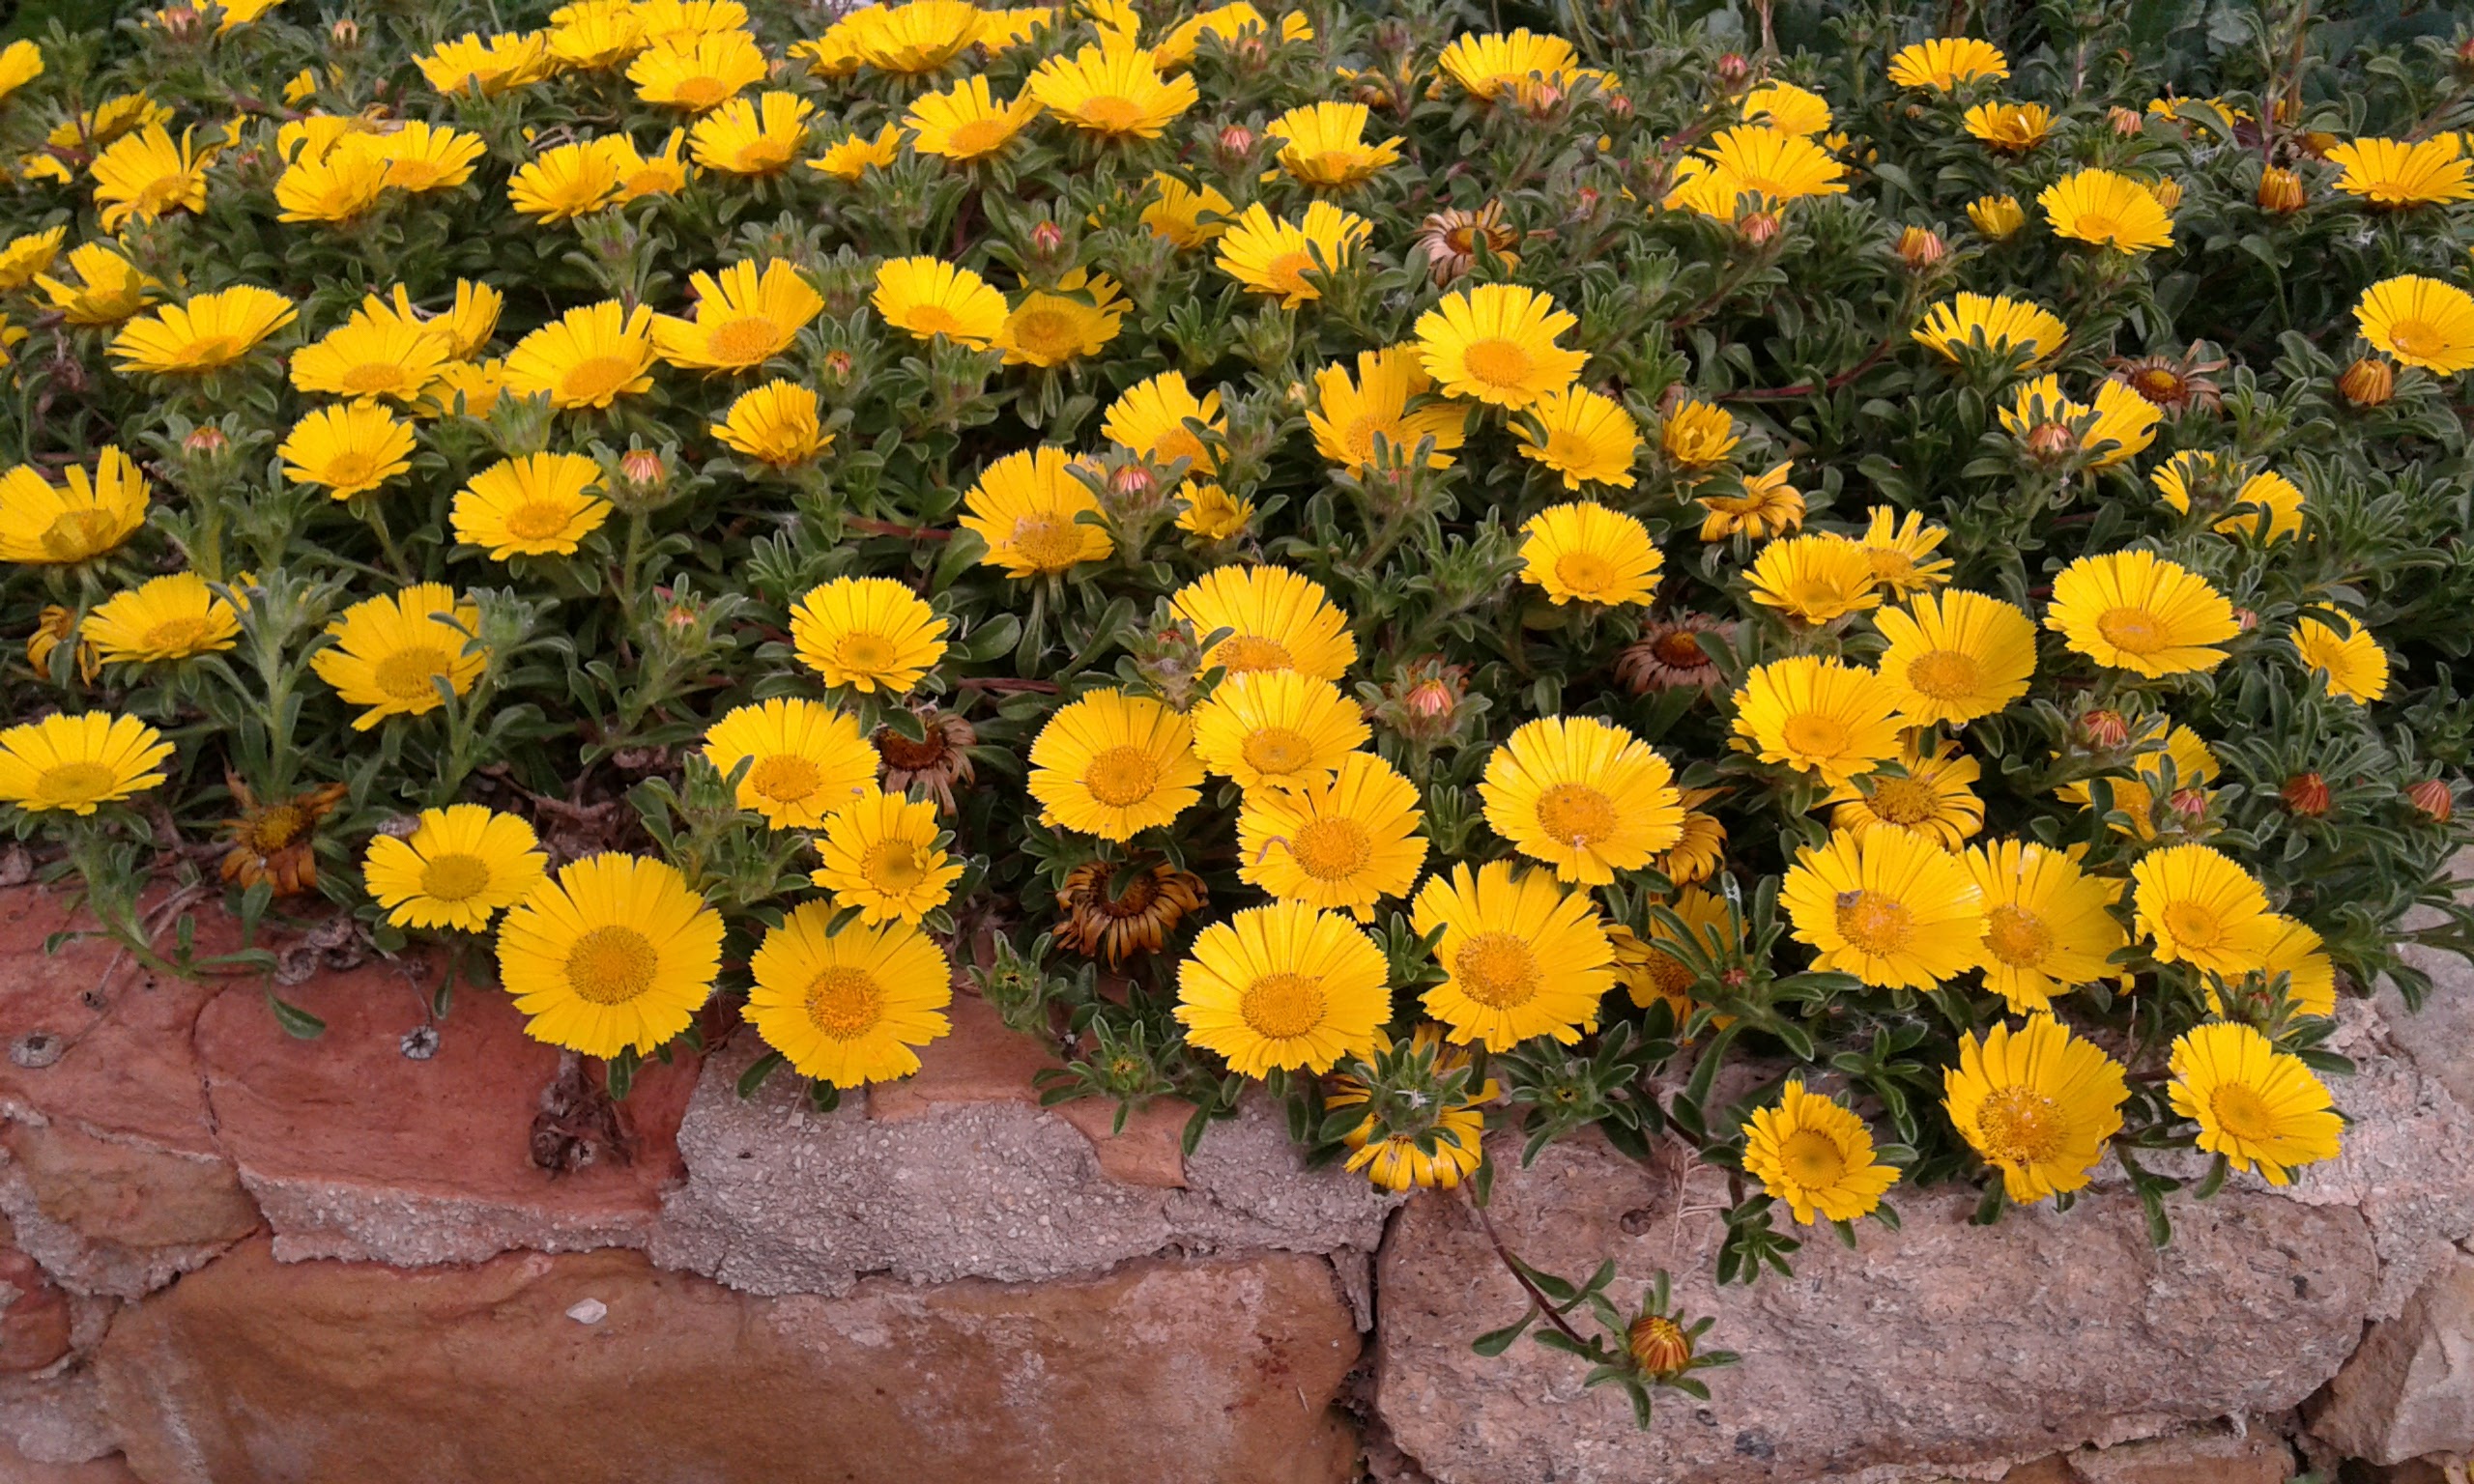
(1785, 394)
(890, 529)
(1520, 1276)
(1010, 687)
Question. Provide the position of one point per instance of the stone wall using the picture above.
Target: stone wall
(232, 1257)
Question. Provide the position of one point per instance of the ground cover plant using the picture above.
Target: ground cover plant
(1457, 569)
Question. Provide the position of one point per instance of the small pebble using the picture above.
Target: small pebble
(588, 1311)
(36, 1050)
(419, 1043)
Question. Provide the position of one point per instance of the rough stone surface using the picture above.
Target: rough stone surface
(2409, 1389)
(355, 1151)
(1948, 1348)
(15, 1467)
(2202, 1458)
(314, 1372)
(56, 1418)
(120, 1215)
(35, 1319)
(779, 1200)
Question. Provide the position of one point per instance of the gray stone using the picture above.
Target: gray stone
(116, 1214)
(779, 1200)
(1940, 1349)
(2409, 1389)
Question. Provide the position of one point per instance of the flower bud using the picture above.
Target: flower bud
(1237, 141)
(1430, 697)
(2465, 59)
(1658, 1346)
(2051, 442)
(644, 469)
(2104, 731)
(345, 33)
(1758, 229)
(2245, 619)
(2434, 798)
(2126, 122)
(1921, 247)
(2306, 794)
(1131, 481)
(2317, 142)
(2367, 382)
(1047, 238)
(182, 20)
(2287, 109)
(838, 365)
(2189, 803)
(1997, 218)
(1734, 72)
(2280, 191)
(205, 441)
(2167, 192)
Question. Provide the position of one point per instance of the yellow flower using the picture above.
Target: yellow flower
(1817, 716)
(1324, 144)
(1112, 90)
(1768, 506)
(144, 175)
(1286, 986)
(1521, 956)
(614, 954)
(2276, 501)
(643, 175)
(1901, 552)
(2136, 611)
(1177, 216)
(805, 760)
(1397, 1160)
(1582, 795)
(595, 34)
(538, 504)
(1814, 1156)
(2115, 429)
(77, 763)
(1114, 765)
(1489, 66)
(1814, 578)
(742, 318)
(458, 868)
(1346, 841)
(697, 74)
(2038, 1104)
(494, 64)
(27, 255)
(2048, 925)
(752, 137)
(1947, 62)
(1275, 619)
(1930, 797)
(1997, 218)
(850, 157)
(679, 23)
(1277, 729)
(568, 181)
(867, 633)
(1649, 968)
(847, 1008)
(1050, 328)
(1954, 657)
(1027, 507)
(589, 357)
(1273, 256)
(1889, 906)
(108, 290)
(2199, 907)
(2394, 173)
(881, 856)
(390, 651)
(206, 334)
(1151, 418)
(2254, 1103)
(1583, 435)
(1228, 23)
(371, 354)
(2357, 667)
(2018, 330)
(1771, 163)
(1587, 552)
(2009, 128)
(1698, 853)
(423, 156)
(930, 297)
(1497, 343)
(162, 618)
(965, 122)
(2422, 322)
(2107, 209)
(2195, 766)
(20, 62)
(920, 35)
(472, 387)
(775, 423)
(2276, 944)
(1210, 513)
(1697, 433)
(49, 525)
(1348, 416)
(1787, 108)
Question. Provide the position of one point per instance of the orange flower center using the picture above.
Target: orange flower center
(1276, 750)
(612, 965)
(2241, 1112)
(1813, 1159)
(1333, 850)
(785, 776)
(845, 1003)
(1240, 653)
(894, 866)
(1812, 734)
(1122, 777)
(405, 675)
(1945, 675)
(1576, 814)
(1282, 1005)
(1903, 801)
(73, 784)
(1498, 970)
(864, 653)
(2133, 629)
(1049, 540)
(595, 379)
(1498, 362)
(455, 877)
(538, 520)
(1879, 925)
(2020, 1126)
(2017, 938)
(744, 341)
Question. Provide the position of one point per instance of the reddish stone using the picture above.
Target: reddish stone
(33, 1314)
(17, 1469)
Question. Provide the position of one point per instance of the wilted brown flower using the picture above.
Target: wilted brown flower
(2125, 122)
(52, 625)
(1668, 655)
(938, 762)
(1116, 911)
(272, 842)
(1449, 238)
(2172, 382)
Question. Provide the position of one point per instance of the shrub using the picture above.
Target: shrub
(1464, 579)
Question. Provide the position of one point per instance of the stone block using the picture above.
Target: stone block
(2409, 1389)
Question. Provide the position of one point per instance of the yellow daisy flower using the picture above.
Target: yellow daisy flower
(806, 760)
(679, 23)
(77, 763)
(1497, 343)
(1276, 618)
(642, 175)
(335, 188)
(742, 318)
(1589, 553)
(848, 1008)
(2277, 501)
(162, 618)
(370, 355)
(1177, 216)
(1947, 62)
(2199, 907)
(1344, 842)
(776, 424)
(881, 855)
(2255, 1104)
(1521, 956)
(1931, 797)
(2395, 173)
(206, 334)
(50, 524)
(423, 156)
(2020, 330)
(2107, 209)
(589, 357)
(1348, 416)
(1111, 90)
(144, 175)
(2009, 128)
(1114, 765)
(108, 290)
(1815, 578)
(390, 651)
(538, 504)
(2048, 925)
(613, 953)
(2195, 766)
(1697, 433)
(1817, 716)
(2039, 1104)
(1814, 1156)
(1954, 657)
(458, 868)
(494, 64)
(1050, 328)
(1324, 145)
(1889, 906)
(1582, 795)
(2117, 428)
(920, 35)
(965, 122)
(1277, 729)
(1488, 66)
(1396, 1161)
(1997, 218)
(852, 156)
(1285, 987)
(2357, 667)
(1787, 108)
(568, 181)
(752, 137)
(2136, 611)
(596, 34)
(1271, 256)
(28, 254)
(20, 62)
(2276, 944)
(1901, 552)
(1027, 507)
(471, 387)
(867, 633)
(1585, 436)
(1771, 163)
(1230, 23)
(1211, 514)
(1151, 418)
(1768, 506)
(697, 74)
(1699, 852)
(2422, 322)
(930, 297)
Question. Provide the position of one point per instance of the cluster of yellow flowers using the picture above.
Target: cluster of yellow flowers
(1852, 687)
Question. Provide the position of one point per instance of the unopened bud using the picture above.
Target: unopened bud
(1237, 140)
(2245, 619)
(2051, 442)
(1131, 481)
(2465, 59)
(1430, 698)
(838, 365)
(2104, 731)
(2167, 192)
(2434, 798)
(2189, 803)
(2280, 191)
(1047, 238)
(1659, 1346)
(1734, 72)
(2367, 382)
(2306, 794)
(644, 469)
(181, 20)
(205, 442)
(2125, 122)
(345, 33)
(1758, 229)
(1921, 247)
